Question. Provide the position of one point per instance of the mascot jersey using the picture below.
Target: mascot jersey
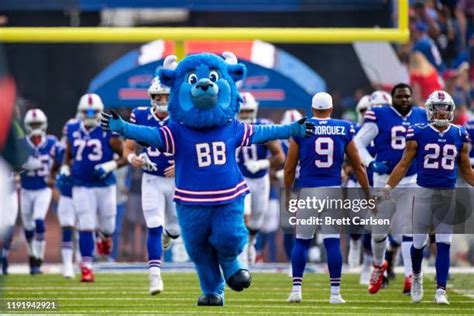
(206, 169)
(253, 152)
(145, 116)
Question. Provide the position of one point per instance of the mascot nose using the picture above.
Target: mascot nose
(204, 84)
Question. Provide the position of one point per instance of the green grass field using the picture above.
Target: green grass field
(127, 293)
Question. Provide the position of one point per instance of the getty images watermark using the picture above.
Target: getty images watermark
(406, 211)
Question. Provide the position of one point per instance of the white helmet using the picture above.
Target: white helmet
(290, 116)
(157, 88)
(249, 104)
(90, 106)
(36, 122)
(362, 106)
(380, 97)
(440, 101)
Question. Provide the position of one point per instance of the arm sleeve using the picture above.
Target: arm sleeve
(243, 131)
(366, 134)
(150, 136)
(168, 137)
(264, 133)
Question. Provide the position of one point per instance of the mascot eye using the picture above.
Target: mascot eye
(192, 79)
(214, 76)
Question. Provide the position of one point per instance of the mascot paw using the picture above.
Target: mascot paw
(240, 280)
(210, 300)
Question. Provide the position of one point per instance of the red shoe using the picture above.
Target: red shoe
(87, 275)
(407, 285)
(104, 246)
(376, 280)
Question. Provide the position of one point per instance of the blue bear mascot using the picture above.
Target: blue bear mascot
(203, 135)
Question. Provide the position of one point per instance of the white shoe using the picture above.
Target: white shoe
(336, 299)
(68, 271)
(365, 276)
(441, 297)
(166, 241)
(156, 283)
(417, 288)
(295, 297)
(354, 253)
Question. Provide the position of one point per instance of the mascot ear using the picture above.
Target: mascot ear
(166, 76)
(237, 71)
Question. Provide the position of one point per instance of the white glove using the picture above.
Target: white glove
(280, 174)
(65, 170)
(255, 166)
(148, 164)
(383, 194)
(103, 169)
(33, 163)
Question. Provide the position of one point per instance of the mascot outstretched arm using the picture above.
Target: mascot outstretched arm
(203, 136)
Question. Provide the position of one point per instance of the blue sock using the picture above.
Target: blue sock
(40, 229)
(416, 259)
(299, 256)
(288, 244)
(333, 250)
(67, 238)
(86, 245)
(153, 246)
(442, 264)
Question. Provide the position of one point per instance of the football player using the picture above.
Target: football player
(36, 192)
(89, 158)
(440, 149)
(158, 183)
(387, 126)
(254, 162)
(65, 209)
(321, 157)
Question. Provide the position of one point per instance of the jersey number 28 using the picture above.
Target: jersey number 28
(448, 155)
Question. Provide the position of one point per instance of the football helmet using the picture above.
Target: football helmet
(440, 108)
(36, 122)
(362, 106)
(291, 116)
(90, 106)
(248, 108)
(156, 88)
(380, 97)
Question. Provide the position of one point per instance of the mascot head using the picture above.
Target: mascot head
(203, 91)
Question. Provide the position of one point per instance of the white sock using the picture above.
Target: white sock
(154, 270)
(29, 248)
(406, 255)
(67, 255)
(296, 288)
(367, 263)
(39, 247)
(378, 251)
(335, 290)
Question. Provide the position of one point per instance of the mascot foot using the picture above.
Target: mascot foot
(240, 280)
(210, 300)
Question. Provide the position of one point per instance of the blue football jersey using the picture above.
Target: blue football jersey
(46, 153)
(253, 152)
(437, 154)
(470, 130)
(145, 116)
(321, 156)
(88, 149)
(390, 141)
(206, 168)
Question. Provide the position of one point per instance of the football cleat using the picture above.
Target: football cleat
(295, 297)
(4, 266)
(336, 299)
(441, 297)
(354, 253)
(156, 283)
(417, 288)
(104, 246)
(166, 241)
(87, 275)
(68, 270)
(35, 266)
(407, 285)
(376, 280)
